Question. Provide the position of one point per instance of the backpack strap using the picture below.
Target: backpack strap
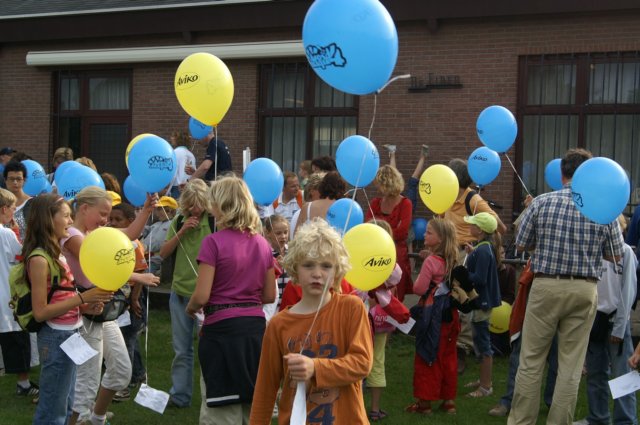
(467, 201)
(54, 271)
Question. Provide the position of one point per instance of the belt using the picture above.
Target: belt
(566, 277)
(212, 308)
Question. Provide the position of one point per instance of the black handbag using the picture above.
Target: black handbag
(112, 310)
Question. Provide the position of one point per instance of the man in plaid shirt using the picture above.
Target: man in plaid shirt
(566, 263)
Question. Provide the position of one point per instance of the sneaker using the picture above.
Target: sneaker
(499, 410)
(32, 391)
(425, 150)
(390, 148)
(122, 395)
(581, 422)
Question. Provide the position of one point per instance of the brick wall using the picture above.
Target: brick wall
(484, 54)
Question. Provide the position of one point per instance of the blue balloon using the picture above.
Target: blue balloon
(62, 168)
(483, 165)
(198, 130)
(265, 180)
(342, 209)
(36, 180)
(497, 128)
(600, 189)
(553, 174)
(352, 45)
(152, 163)
(75, 179)
(419, 226)
(133, 192)
(47, 188)
(357, 160)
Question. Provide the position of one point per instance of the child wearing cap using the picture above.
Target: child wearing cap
(483, 272)
(154, 234)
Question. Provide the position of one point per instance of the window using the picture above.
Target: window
(590, 101)
(92, 116)
(301, 117)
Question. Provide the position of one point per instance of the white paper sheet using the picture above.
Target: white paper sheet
(299, 409)
(151, 398)
(77, 349)
(402, 327)
(625, 384)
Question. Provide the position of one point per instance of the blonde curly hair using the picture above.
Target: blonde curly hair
(389, 180)
(316, 240)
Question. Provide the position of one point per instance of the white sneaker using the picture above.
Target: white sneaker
(581, 422)
(425, 150)
(390, 148)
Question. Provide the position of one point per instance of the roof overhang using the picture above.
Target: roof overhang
(266, 50)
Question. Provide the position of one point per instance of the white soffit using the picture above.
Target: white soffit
(270, 49)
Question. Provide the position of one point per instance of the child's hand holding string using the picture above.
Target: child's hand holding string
(301, 368)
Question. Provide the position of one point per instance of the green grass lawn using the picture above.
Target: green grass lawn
(400, 351)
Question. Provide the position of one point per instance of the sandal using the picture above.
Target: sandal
(481, 392)
(417, 408)
(376, 416)
(448, 407)
(474, 384)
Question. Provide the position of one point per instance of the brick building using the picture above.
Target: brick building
(93, 74)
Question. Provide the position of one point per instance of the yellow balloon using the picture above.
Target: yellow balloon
(204, 87)
(107, 258)
(438, 188)
(131, 144)
(372, 255)
(499, 320)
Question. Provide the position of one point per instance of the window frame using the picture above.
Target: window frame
(308, 110)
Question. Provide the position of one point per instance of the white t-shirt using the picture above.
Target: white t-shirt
(10, 248)
(183, 157)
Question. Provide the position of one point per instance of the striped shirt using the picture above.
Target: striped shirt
(565, 241)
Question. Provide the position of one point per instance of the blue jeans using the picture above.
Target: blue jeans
(599, 355)
(182, 328)
(57, 378)
(514, 363)
(130, 334)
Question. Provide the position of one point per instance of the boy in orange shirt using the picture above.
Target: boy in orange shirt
(332, 352)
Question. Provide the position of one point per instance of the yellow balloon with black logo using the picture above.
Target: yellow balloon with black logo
(438, 188)
(372, 254)
(499, 319)
(107, 258)
(204, 87)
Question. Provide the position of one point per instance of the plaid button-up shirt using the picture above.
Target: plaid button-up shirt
(565, 241)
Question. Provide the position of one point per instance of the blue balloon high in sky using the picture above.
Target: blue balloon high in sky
(600, 189)
(497, 128)
(352, 45)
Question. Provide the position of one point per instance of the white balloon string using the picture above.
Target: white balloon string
(215, 161)
(397, 77)
(175, 232)
(353, 198)
(517, 175)
(373, 216)
(373, 118)
(313, 322)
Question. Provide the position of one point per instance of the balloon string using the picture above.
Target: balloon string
(146, 334)
(175, 232)
(375, 98)
(517, 175)
(373, 216)
(355, 190)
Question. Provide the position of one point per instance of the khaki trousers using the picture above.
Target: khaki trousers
(567, 306)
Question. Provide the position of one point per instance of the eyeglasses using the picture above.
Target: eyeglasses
(15, 179)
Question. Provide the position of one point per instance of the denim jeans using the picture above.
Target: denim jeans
(57, 378)
(514, 362)
(182, 329)
(130, 334)
(599, 355)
